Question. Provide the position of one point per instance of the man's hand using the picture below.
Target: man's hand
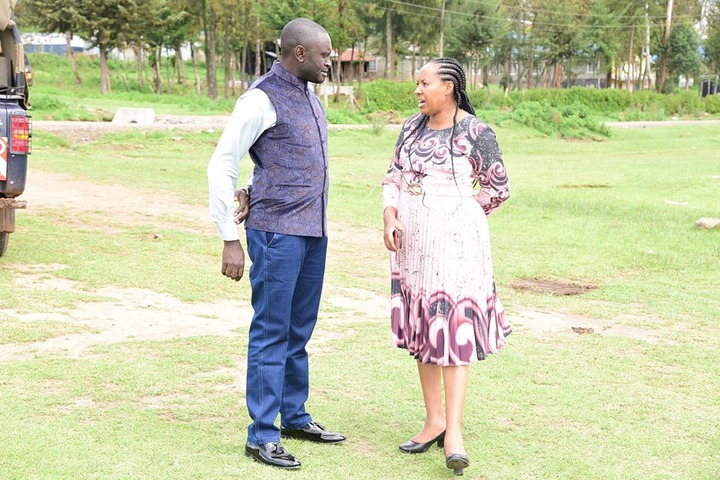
(233, 260)
(243, 209)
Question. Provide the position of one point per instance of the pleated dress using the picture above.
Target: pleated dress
(444, 306)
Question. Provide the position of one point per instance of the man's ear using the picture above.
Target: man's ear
(300, 53)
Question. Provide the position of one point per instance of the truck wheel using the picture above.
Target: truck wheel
(4, 238)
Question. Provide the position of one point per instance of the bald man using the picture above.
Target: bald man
(280, 122)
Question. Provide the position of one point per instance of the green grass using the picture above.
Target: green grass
(557, 405)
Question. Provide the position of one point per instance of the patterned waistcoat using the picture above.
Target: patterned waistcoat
(290, 177)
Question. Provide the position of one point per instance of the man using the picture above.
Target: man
(281, 123)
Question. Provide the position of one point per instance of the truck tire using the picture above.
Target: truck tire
(4, 238)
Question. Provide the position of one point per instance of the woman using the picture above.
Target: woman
(445, 311)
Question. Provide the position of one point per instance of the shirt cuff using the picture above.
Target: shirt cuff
(228, 231)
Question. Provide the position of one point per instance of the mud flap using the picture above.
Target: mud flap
(7, 220)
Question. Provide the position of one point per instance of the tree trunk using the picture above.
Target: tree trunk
(180, 64)
(390, 50)
(243, 67)
(226, 62)
(353, 66)
(158, 70)
(137, 48)
(361, 70)
(558, 75)
(71, 57)
(104, 74)
(193, 59)
(258, 51)
(337, 79)
(531, 71)
(506, 76)
(210, 48)
(630, 62)
(233, 71)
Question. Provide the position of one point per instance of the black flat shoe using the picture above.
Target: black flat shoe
(313, 432)
(457, 462)
(272, 454)
(414, 447)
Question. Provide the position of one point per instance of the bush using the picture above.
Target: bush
(385, 95)
(343, 117)
(712, 104)
(569, 121)
(602, 102)
(47, 102)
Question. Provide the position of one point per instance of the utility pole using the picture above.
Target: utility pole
(390, 61)
(647, 47)
(442, 29)
(663, 74)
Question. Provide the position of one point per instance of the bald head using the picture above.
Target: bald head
(300, 31)
(305, 50)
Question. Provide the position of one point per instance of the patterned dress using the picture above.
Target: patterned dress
(445, 310)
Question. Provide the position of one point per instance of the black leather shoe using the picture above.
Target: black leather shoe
(414, 447)
(272, 454)
(457, 462)
(313, 432)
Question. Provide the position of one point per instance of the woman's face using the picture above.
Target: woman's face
(434, 95)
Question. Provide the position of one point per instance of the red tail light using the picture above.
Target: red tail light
(20, 134)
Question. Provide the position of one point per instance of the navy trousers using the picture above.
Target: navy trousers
(286, 278)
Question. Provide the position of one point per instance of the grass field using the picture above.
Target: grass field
(637, 398)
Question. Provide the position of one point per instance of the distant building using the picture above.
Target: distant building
(353, 63)
(53, 43)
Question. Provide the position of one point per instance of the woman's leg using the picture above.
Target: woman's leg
(431, 382)
(456, 379)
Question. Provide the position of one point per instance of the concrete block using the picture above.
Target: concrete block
(142, 116)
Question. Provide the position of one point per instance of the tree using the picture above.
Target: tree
(55, 16)
(208, 16)
(473, 35)
(165, 27)
(712, 43)
(110, 24)
(601, 39)
(684, 56)
(560, 35)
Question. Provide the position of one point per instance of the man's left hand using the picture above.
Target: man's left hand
(243, 209)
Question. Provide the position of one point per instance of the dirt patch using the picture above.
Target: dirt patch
(83, 132)
(551, 287)
(133, 314)
(542, 324)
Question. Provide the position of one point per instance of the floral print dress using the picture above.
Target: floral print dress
(445, 310)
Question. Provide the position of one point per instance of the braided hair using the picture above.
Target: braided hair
(449, 70)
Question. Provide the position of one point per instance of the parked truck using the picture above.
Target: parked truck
(15, 123)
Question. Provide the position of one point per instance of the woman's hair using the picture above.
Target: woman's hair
(450, 70)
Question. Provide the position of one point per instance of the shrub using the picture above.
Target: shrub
(569, 121)
(712, 104)
(385, 95)
(47, 102)
(343, 117)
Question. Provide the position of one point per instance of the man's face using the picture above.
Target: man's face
(317, 63)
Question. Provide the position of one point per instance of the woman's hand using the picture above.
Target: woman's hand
(393, 229)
